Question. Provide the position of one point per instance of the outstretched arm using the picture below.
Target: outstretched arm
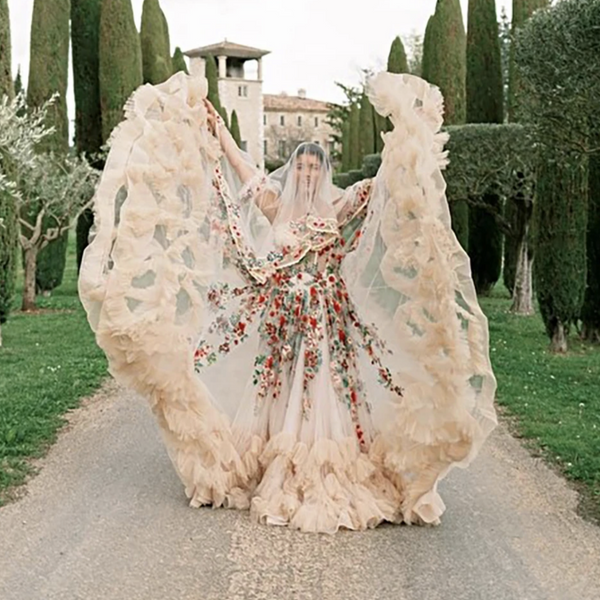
(265, 197)
(228, 145)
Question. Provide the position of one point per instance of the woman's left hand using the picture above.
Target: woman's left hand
(212, 118)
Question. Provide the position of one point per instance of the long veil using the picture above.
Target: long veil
(162, 238)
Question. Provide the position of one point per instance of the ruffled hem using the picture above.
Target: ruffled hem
(321, 488)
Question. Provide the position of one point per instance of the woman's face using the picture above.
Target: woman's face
(308, 172)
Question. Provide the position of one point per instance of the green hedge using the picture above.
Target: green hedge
(486, 158)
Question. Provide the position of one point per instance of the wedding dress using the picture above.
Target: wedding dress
(314, 355)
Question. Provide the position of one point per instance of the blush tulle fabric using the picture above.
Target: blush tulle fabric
(327, 378)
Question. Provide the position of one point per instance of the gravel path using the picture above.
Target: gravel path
(106, 519)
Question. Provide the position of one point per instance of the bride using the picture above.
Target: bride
(312, 354)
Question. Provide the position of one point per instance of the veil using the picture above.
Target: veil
(176, 237)
(286, 214)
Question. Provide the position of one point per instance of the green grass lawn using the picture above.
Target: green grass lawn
(50, 361)
(552, 401)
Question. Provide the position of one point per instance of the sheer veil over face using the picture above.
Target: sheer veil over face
(306, 190)
(292, 210)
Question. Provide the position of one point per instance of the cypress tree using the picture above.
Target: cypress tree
(444, 65)
(346, 145)
(521, 11)
(49, 65)
(235, 129)
(448, 68)
(560, 224)
(485, 102)
(120, 61)
(380, 125)
(429, 49)
(85, 40)
(9, 226)
(48, 75)
(156, 55)
(367, 128)
(212, 77)
(18, 83)
(591, 308)
(85, 36)
(179, 62)
(484, 105)
(167, 43)
(354, 136)
(6, 81)
(397, 62)
(514, 209)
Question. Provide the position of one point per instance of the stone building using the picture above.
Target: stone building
(289, 120)
(239, 89)
(270, 125)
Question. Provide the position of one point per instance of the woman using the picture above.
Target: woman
(315, 355)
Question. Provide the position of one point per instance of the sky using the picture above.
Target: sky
(313, 43)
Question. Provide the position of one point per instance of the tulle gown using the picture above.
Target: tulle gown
(323, 368)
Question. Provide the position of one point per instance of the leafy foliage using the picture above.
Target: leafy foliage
(6, 82)
(179, 63)
(154, 36)
(120, 61)
(8, 221)
(367, 127)
(560, 218)
(590, 315)
(354, 136)
(397, 62)
(521, 12)
(484, 105)
(557, 53)
(85, 40)
(48, 67)
(446, 58)
(338, 118)
(43, 188)
(212, 77)
(235, 129)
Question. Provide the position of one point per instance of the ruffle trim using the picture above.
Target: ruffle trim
(321, 488)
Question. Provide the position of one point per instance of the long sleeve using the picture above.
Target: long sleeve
(354, 206)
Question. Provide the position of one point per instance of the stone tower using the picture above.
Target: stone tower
(237, 91)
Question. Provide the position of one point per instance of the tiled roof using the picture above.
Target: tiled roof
(229, 49)
(284, 103)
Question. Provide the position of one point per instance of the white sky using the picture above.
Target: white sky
(312, 42)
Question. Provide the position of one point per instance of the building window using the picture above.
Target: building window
(282, 119)
(331, 147)
(244, 145)
(317, 142)
(264, 119)
(282, 148)
(316, 121)
(299, 120)
(243, 91)
(265, 146)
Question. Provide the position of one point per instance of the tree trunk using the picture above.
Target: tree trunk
(29, 286)
(559, 339)
(589, 334)
(522, 299)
